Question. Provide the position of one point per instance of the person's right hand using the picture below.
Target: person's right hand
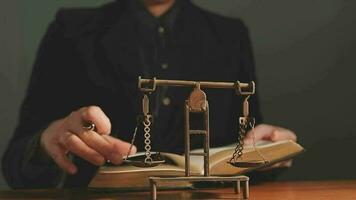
(68, 135)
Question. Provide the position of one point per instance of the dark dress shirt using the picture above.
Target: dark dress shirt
(94, 56)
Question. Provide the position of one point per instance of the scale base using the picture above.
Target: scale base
(242, 182)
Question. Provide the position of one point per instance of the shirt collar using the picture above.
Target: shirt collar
(147, 19)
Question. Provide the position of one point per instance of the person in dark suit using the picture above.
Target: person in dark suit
(86, 71)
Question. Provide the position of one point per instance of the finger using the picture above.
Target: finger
(283, 164)
(268, 132)
(260, 132)
(283, 134)
(286, 163)
(121, 147)
(248, 141)
(75, 145)
(94, 114)
(74, 122)
(59, 157)
(101, 145)
(92, 138)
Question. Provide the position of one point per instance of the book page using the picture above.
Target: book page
(217, 155)
(198, 161)
(223, 154)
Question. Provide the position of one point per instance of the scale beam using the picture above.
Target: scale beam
(149, 85)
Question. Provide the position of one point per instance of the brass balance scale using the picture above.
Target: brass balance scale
(197, 103)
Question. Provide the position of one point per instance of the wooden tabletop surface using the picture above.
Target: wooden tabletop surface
(316, 190)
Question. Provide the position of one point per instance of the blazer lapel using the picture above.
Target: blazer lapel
(109, 49)
(120, 44)
(111, 55)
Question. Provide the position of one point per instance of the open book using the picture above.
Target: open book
(130, 177)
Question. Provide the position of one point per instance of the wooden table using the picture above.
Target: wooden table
(328, 190)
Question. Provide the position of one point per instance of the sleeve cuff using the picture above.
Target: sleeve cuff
(34, 153)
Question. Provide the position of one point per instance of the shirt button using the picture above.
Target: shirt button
(166, 101)
(164, 66)
(161, 30)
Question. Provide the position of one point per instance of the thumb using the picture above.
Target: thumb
(260, 132)
(283, 134)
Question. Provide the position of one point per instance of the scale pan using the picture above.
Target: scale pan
(138, 163)
(138, 160)
(249, 164)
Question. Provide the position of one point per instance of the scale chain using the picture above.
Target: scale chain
(240, 143)
(147, 135)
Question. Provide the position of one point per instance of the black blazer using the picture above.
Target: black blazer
(90, 57)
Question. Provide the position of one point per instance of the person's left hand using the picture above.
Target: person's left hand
(271, 133)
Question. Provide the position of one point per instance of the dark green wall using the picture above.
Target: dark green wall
(305, 54)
